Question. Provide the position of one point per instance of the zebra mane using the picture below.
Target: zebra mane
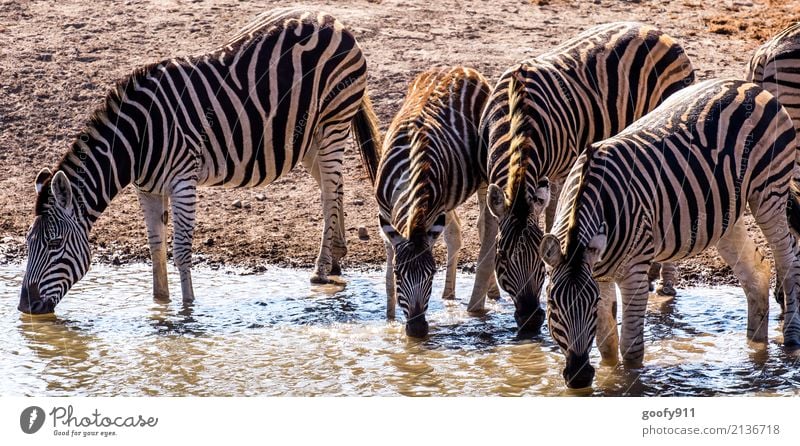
(421, 193)
(519, 147)
(574, 247)
(123, 87)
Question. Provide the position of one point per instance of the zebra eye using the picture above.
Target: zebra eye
(55, 242)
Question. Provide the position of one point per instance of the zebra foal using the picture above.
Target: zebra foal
(540, 116)
(429, 166)
(674, 183)
(285, 90)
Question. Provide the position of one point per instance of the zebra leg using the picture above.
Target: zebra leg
(184, 203)
(328, 162)
(485, 281)
(452, 238)
(653, 274)
(753, 271)
(635, 290)
(666, 286)
(773, 223)
(607, 335)
(339, 242)
(156, 215)
(391, 297)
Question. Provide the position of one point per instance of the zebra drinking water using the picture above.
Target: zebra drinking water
(540, 116)
(285, 90)
(674, 183)
(430, 165)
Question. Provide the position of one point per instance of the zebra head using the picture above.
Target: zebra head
(58, 246)
(572, 298)
(520, 271)
(414, 267)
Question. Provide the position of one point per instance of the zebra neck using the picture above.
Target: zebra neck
(100, 164)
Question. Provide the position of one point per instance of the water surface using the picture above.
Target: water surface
(274, 334)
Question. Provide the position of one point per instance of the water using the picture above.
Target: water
(274, 334)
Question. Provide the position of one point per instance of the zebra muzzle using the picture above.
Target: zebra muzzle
(30, 302)
(417, 327)
(578, 373)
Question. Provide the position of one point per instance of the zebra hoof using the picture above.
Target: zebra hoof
(317, 279)
(449, 296)
(161, 298)
(666, 290)
(336, 270)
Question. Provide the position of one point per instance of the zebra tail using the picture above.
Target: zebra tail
(368, 137)
(793, 208)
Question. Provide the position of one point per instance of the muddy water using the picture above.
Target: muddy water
(274, 334)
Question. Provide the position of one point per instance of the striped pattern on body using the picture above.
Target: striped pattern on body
(543, 113)
(668, 187)
(285, 90)
(430, 165)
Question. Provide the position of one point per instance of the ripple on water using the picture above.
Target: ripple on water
(273, 334)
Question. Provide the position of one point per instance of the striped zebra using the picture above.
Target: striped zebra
(671, 185)
(429, 166)
(775, 66)
(540, 116)
(285, 90)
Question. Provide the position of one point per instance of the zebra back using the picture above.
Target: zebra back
(776, 67)
(584, 90)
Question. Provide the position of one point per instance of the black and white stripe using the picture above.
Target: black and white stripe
(285, 90)
(775, 66)
(430, 165)
(542, 114)
(671, 185)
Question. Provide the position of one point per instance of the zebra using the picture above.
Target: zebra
(775, 66)
(540, 116)
(671, 185)
(285, 90)
(429, 166)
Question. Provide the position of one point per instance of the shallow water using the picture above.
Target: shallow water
(274, 334)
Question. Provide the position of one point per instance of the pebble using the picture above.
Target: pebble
(237, 204)
(246, 205)
(261, 197)
(363, 233)
(209, 242)
(45, 57)
(358, 202)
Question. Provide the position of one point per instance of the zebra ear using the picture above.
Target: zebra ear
(596, 246)
(437, 228)
(496, 201)
(43, 176)
(390, 232)
(62, 191)
(541, 198)
(550, 250)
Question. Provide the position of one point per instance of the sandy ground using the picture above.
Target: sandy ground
(58, 60)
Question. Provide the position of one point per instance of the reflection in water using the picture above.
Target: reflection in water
(273, 334)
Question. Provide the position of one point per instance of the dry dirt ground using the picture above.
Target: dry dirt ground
(58, 60)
